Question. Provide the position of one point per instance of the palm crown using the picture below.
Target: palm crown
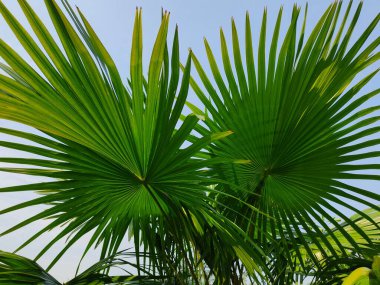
(254, 182)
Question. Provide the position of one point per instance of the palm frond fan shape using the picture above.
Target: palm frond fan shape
(301, 131)
(265, 174)
(116, 150)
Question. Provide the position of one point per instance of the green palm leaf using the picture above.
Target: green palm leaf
(330, 266)
(15, 269)
(300, 129)
(350, 270)
(368, 222)
(117, 154)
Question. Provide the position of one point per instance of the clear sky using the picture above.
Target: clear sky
(113, 20)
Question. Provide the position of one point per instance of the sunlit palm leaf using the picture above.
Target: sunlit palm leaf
(330, 267)
(301, 131)
(335, 271)
(370, 228)
(117, 154)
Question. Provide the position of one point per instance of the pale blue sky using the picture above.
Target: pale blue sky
(113, 20)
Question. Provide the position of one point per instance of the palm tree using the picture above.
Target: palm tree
(332, 271)
(116, 151)
(238, 192)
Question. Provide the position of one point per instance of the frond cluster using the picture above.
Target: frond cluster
(248, 190)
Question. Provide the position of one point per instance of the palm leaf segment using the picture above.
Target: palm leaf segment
(301, 130)
(331, 267)
(115, 151)
(15, 269)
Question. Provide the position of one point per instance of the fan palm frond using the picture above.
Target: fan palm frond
(117, 153)
(261, 184)
(301, 131)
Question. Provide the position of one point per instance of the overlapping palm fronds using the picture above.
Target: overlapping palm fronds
(368, 226)
(254, 190)
(333, 270)
(301, 131)
(15, 269)
(330, 268)
(117, 152)
(353, 270)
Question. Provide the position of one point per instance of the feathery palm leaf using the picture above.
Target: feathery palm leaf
(299, 131)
